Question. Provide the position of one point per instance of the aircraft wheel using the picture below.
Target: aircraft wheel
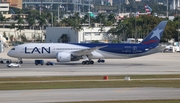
(20, 62)
(101, 61)
(87, 62)
(2, 62)
(91, 62)
(98, 61)
(8, 62)
(83, 62)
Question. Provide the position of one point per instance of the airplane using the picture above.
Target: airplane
(149, 10)
(66, 52)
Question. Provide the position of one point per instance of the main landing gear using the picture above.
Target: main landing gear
(87, 62)
(20, 61)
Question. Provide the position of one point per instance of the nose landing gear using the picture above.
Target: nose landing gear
(101, 61)
(20, 61)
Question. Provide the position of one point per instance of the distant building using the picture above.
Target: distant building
(4, 7)
(13, 3)
(175, 4)
(87, 35)
(110, 2)
(138, 0)
(107, 2)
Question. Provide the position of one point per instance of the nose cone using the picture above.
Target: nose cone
(10, 53)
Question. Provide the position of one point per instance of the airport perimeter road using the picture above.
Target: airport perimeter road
(99, 94)
(160, 63)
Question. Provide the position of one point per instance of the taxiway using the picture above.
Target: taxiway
(96, 94)
(156, 64)
(160, 63)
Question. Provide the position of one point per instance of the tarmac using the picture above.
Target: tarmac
(155, 64)
(93, 94)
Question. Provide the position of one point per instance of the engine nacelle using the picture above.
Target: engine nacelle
(65, 57)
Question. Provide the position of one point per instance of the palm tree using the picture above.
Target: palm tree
(75, 23)
(125, 28)
(20, 28)
(31, 18)
(65, 22)
(49, 17)
(20, 22)
(42, 23)
(112, 31)
(85, 19)
(101, 19)
(63, 38)
(120, 31)
(111, 18)
(13, 27)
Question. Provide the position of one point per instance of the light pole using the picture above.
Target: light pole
(178, 26)
(135, 36)
(167, 9)
(178, 33)
(89, 14)
(52, 18)
(52, 14)
(58, 13)
(59, 5)
(40, 8)
(40, 15)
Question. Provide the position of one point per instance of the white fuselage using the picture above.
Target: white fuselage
(50, 50)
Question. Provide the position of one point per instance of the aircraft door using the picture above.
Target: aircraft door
(134, 49)
(53, 51)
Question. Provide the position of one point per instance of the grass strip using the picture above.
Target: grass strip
(90, 84)
(86, 77)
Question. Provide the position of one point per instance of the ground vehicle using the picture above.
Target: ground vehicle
(50, 63)
(39, 62)
(5, 61)
(13, 65)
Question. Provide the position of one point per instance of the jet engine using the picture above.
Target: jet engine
(65, 57)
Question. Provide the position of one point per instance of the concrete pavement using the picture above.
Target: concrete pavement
(96, 94)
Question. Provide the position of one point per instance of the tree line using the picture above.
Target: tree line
(136, 27)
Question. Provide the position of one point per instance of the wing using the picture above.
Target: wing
(87, 51)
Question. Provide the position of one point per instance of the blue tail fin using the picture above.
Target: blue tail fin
(155, 35)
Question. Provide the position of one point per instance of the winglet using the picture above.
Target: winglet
(155, 35)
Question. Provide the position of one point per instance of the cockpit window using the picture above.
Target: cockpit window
(13, 49)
